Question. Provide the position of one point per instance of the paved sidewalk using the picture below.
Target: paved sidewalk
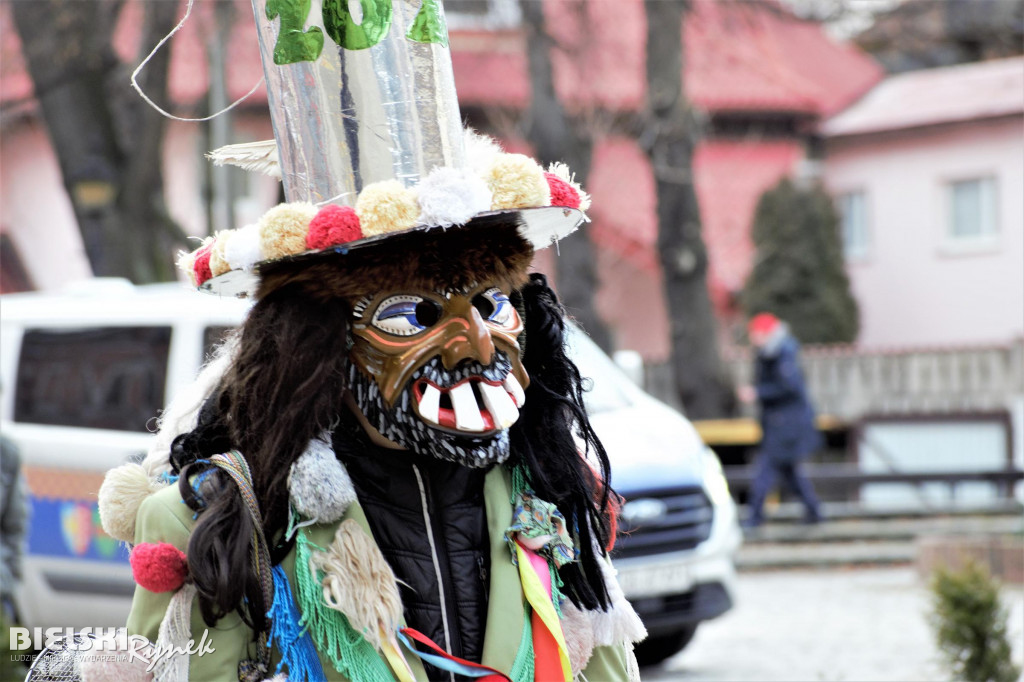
(853, 625)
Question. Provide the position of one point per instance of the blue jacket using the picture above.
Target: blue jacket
(787, 418)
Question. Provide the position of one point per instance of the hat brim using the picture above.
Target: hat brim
(542, 227)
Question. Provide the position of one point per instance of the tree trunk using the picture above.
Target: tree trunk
(107, 142)
(555, 138)
(700, 377)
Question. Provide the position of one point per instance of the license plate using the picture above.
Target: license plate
(648, 581)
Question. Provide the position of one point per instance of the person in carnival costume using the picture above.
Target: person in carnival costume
(388, 472)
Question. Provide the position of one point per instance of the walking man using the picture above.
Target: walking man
(787, 417)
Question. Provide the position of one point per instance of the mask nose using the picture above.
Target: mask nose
(473, 342)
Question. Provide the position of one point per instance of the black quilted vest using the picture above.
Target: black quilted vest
(429, 521)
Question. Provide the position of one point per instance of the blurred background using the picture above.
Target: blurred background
(855, 167)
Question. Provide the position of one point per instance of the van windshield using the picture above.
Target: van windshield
(609, 388)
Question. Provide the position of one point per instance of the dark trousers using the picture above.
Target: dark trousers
(792, 477)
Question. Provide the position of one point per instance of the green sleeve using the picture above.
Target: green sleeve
(163, 517)
(608, 664)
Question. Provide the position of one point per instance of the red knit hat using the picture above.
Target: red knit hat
(762, 323)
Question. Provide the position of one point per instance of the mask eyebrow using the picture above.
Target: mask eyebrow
(396, 309)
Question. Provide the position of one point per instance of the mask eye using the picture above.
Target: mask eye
(495, 307)
(405, 315)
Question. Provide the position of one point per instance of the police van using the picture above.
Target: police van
(84, 373)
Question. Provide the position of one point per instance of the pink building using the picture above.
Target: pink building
(928, 169)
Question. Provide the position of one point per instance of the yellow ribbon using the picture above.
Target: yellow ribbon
(540, 600)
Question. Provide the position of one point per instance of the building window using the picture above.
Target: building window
(481, 14)
(972, 212)
(853, 221)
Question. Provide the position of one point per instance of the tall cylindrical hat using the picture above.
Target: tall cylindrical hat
(369, 143)
(356, 100)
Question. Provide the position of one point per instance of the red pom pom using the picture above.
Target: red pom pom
(159, 567)
(201, 265)
(333, 225)
(562, 193)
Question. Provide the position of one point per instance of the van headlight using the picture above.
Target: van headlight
(714, 479)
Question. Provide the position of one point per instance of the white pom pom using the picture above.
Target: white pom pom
(450, 196)
(481, 150)
(243, 251)
(318, 484)
(123, 491)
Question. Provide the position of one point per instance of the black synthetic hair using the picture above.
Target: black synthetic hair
(543, 441)
(284, 388)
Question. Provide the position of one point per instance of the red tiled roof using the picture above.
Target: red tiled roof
(15, 85)
(739, 56)
(730, 178)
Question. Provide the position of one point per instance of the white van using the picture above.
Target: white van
(85, 372)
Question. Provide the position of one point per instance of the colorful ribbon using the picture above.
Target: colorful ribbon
(551, 657)
(445, 661)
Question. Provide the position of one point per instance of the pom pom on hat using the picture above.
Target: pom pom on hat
(450, 196)
(517, 181)
(283, 229)
(158, 567)
(562, 193)
(186, 263)
(243, 252)
(201, 264)
(123, 491)
(218, 263)
(333, 225)
(562, 172)
(481, 151)
(385, 207)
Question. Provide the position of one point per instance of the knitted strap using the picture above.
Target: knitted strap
(235, 466)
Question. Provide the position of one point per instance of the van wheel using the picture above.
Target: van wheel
(654, 650)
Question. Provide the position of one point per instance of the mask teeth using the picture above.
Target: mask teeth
(430, 404)
(467, 413)
(511, 385)
(500, 404)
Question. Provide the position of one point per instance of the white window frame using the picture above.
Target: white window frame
(860, 251)
(987, 239)
(500, 14)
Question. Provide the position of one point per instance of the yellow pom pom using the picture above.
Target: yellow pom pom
(516, 181)
(218, 263)
(283, 229)
(386, 206)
